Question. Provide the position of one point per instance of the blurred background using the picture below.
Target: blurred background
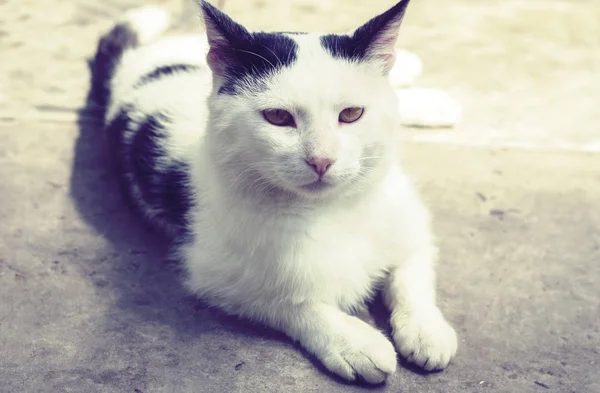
(525, 71)
(90, 301)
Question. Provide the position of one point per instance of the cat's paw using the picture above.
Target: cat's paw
(360, 351)
(425, 339)
(424, 107)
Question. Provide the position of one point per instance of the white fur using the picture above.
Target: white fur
(301, 261)
(189, 49)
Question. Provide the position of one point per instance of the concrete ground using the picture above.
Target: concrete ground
(89, 302)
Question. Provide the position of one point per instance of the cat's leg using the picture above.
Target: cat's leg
(347, 346)
(420, 331)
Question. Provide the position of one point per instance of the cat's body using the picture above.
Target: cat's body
(292, 217)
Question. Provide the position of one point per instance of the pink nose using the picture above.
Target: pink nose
(320, 165)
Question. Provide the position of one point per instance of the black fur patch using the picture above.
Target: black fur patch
(356, 47)
(115, 131)
(109, 52)
(163, 71)
(162, 181)
(150, 179)
(257, 58)
(248, 56)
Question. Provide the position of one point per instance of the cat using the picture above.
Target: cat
(270, 160)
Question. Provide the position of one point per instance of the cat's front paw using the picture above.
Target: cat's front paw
(360, 351)
(425, 339)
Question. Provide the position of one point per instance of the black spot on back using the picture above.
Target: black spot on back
(114, 132)
(163, 71)
(151, 181)
(162, 180)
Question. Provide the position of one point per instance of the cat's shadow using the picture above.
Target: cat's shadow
(135, 266)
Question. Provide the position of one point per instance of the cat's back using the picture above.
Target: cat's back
(155, 121)
(167, 75)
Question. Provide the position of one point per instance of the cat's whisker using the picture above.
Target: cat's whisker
(369, 158)
(273, 52)
(255, 54)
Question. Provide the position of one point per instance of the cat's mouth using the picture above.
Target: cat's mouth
(317, 186)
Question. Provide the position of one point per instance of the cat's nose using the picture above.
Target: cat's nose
(320, 164)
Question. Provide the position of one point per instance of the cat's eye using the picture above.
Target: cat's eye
(350, 115)
(279, 117)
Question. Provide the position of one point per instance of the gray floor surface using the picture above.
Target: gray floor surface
(89, 302)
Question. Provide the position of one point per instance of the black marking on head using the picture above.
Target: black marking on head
(292, 32)
(361, 43)
(110, 49)
(153, 183)
(163, 71)
(240, 57)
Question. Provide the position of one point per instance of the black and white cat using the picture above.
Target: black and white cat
(270, 159)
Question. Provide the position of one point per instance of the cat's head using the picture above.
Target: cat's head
(312, 115)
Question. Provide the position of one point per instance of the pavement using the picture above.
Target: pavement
(90, 302)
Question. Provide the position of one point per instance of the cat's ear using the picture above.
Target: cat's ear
(378, 36)
(223, 35)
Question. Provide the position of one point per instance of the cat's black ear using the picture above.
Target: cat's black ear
(223, 34)
(375, 40)
(242, 58)
(379, 35)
